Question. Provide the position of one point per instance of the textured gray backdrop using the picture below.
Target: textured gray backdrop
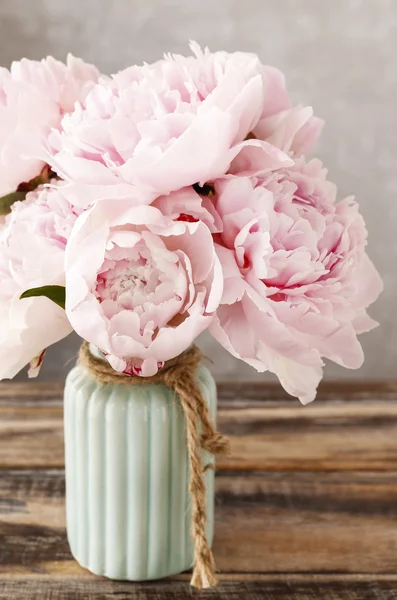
(339, 56)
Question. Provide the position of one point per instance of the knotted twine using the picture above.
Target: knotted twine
(179, 374)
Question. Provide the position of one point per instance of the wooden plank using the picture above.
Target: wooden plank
(350, 435)
(37, 392)
(175, 590)
(333, 522)
(31, 437)
(326, 435)
(265, 523)
(328, 391)
(15, 391)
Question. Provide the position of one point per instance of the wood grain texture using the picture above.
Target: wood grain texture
(306, 508)
(265, 523)
(329, 434)
(47, 391)
(288, 589)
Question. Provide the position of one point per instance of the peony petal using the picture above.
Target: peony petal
(298, 380)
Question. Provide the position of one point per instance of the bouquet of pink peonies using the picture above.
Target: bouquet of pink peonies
(140, 210)
(171, 198)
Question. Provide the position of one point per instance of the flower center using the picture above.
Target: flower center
(129, 283)
(146, 280)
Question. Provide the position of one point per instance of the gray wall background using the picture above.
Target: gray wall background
(340, 56)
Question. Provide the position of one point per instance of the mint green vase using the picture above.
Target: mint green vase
(128, 505)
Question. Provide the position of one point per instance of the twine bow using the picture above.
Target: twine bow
(179, 374)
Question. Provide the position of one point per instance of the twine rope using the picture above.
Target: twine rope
(179, 374)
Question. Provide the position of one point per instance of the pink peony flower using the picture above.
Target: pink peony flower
(140, 286)
(177, 122)
(34, 96)
(291, 129)
(191, 206)
(32, 248)
(297, 277)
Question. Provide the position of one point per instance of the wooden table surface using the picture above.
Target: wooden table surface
(306, 507)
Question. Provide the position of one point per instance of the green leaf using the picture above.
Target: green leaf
(56, 293)
(7, 201)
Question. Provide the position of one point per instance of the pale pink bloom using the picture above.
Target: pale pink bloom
(140, 286)
(292, 129)
(191, 206)
(34, 96)
(297, 276)
(32, 249)
(177, 122)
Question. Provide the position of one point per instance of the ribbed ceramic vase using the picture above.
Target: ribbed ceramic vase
(128, 505)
